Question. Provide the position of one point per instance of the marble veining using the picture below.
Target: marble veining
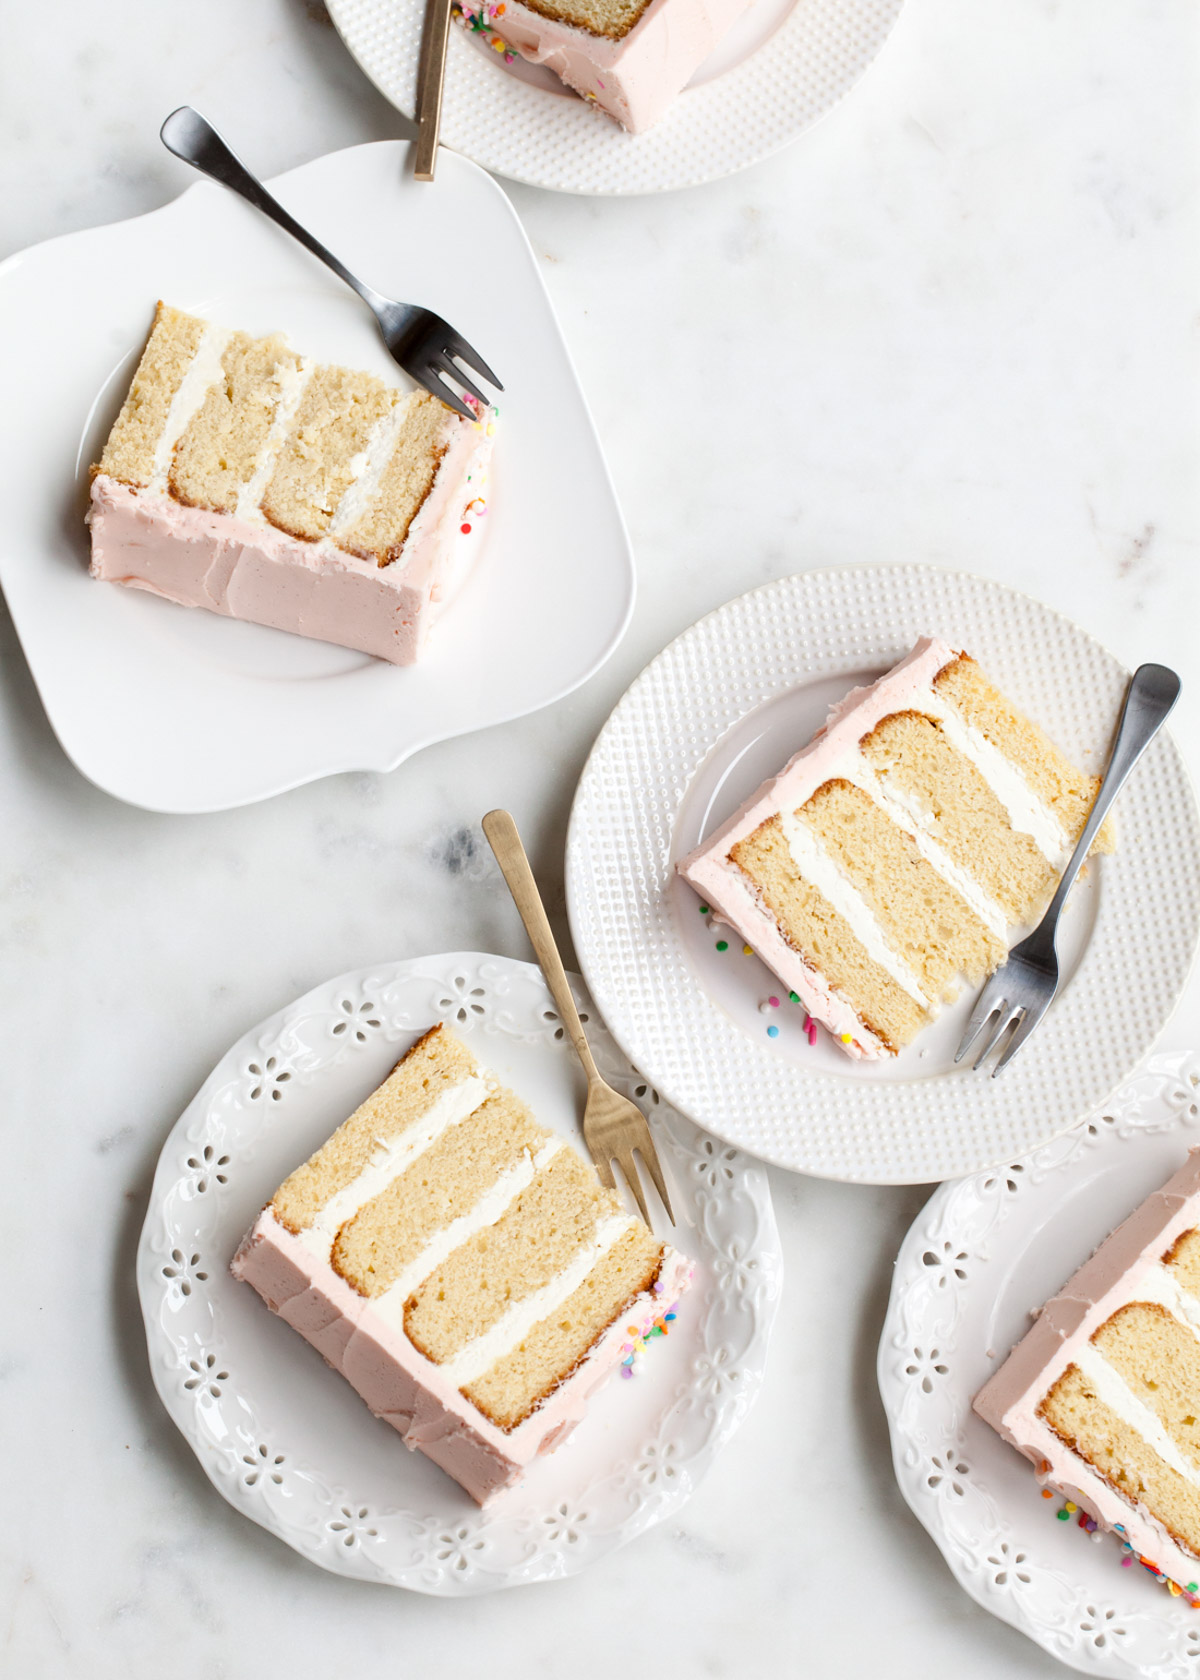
(951, 324)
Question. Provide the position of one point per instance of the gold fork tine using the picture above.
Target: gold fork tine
(603, 1168)
(612, 1125)
(627, 1166)
(653, 1166)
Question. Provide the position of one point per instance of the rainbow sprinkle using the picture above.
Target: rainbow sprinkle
(639, 1336)
(1068, 1509)
(479, 23)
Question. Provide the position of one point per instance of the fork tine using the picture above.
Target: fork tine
(458, 347)
(437, 387)
(629, 1168)
(653, 1166)
(455, 372)
(985, 1004)
(995, 1034)
(1024, 1027)
(603, 1167)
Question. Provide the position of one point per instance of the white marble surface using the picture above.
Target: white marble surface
(954, 324)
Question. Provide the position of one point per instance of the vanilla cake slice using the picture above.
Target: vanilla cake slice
(242, 477)
(461, 1266)
(905, 848)
(1103, 1394)
(629, 58)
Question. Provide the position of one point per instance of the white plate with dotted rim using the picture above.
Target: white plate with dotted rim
(289, 1443)
(726, 704)
(782, 67)
(186, 711)
(980, 1256)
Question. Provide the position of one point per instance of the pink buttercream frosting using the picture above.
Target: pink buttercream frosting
(409, 1391)
(732, 894)
(256, 572)
(1114, 1275)
(633, 78)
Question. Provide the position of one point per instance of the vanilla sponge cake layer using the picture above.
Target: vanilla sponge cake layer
(242, 478)
(461, 1263)
(1103, 1393)
(903, 851)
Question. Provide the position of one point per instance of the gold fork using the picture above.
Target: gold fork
(613, 1127)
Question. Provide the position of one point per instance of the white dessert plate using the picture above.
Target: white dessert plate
(289, 1443)
(727, 704)
(781, 68)
(181, 710)
(982, 1254)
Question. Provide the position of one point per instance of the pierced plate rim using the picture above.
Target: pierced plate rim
(1073, 1612)
(732, 1236)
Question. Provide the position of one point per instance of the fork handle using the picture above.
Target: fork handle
(431, 77)
(194, 139)
(1152, 692)
(505, 841)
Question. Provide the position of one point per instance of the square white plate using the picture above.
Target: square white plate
(180, 710)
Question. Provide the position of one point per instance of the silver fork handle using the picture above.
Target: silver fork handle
(505, 841)
(194, 139)
(1148, 699)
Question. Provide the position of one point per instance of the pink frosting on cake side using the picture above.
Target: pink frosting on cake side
(408, 1391)
(256, 572)
(734, 897)
(1109, 1280)
(634, 78)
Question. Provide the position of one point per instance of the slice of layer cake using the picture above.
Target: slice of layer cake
(630, 58)
(461, 1266)
(244, 478)
(906, 847)
(1103, 1394)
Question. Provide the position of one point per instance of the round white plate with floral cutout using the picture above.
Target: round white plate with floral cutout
(728, 703)
(981, 1255)
(289, 1443)
(784, 64)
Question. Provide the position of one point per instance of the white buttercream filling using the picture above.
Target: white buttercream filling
(1160, 1287)
(291, 382)
(368, 468)
(1027, 813)
(203, 370)
(1116, 1394)
(390, 1158)
(914, 820)
(490, 1207)
(480, 1354)
(832, 882)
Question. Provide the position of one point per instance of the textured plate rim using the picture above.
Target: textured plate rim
(611, 995)
(689, 146)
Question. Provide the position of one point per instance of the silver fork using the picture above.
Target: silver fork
(613, 1127)
(1022, 989)
(426, 347)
